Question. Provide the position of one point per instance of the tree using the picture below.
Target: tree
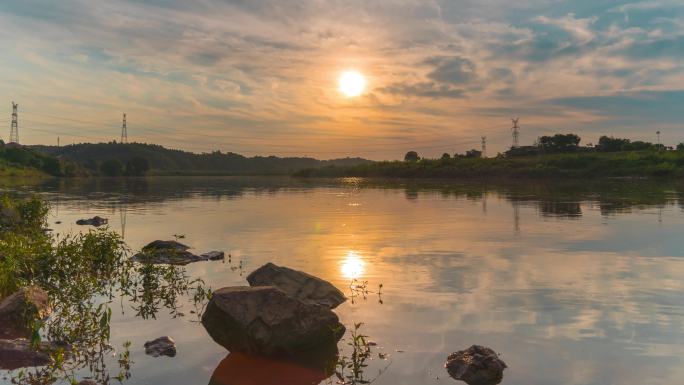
(52, 166)
(137, 166)
(611, 144)
(559, 143)
(473, 154)
(446, 156)
(111, 167)
(411, 156)
(680, 147)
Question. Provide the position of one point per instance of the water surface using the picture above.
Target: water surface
(573, 283)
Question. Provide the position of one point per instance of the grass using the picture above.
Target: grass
(83, 274)
(573, 165)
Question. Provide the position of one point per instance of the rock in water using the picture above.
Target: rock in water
(173, 253)
(162, 346)
(476, 365)
(17, 353)
(20, 310)
(88, 382)
(94, 221)
(297, 284)
(266, 321)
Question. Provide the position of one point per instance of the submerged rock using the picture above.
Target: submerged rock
(162, 346)
(20, 310)
(88, 382)
(477, 365)
(18, 353)
(173, 253)
(297, 284)
(94, 221)
(266, 321)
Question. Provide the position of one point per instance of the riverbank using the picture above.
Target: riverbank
(8, 170)
(575, 165)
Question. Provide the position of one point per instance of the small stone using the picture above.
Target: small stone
(162, 346)
(477, 365)
(88, 382)
(173, 253)
(96, 221)
(213, 255)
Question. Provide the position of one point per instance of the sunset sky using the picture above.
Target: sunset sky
(261, 77)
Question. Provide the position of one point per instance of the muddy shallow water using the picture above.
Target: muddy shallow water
(572, 283)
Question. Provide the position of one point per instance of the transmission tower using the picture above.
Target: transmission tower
(14, 131)
(124, 130)
(484, 146)
(515, 131)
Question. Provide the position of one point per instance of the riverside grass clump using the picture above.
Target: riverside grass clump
(86, 275)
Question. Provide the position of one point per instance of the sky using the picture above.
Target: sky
(259, 77)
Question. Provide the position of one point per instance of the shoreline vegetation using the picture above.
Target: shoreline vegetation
(637, 164)
(557, 156)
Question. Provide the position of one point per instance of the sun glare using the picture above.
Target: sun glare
(352, 83)
(353, 266)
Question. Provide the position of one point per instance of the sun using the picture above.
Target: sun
(351, 83)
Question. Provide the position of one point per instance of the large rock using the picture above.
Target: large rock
(162, 346)
(266, 321)
(20, 310)
(18, 353)
(173, 253)
(303, 286)
(96, 221)
(476, 365)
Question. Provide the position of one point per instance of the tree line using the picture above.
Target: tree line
(561, 144)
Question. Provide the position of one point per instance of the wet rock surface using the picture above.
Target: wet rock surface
(305, 287)
(162, 346)
(88, 382)
(18, 353)
(173, 253)
(266, 321)
(96, 221)
(477, 365)
(20, 310)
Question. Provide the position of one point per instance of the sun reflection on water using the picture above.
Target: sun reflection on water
(353, 266)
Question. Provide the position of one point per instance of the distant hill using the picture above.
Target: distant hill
(164, 161)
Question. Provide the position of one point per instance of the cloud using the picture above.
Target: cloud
(264, 71)
(451, 69)
(426, 89)
(662, 106)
